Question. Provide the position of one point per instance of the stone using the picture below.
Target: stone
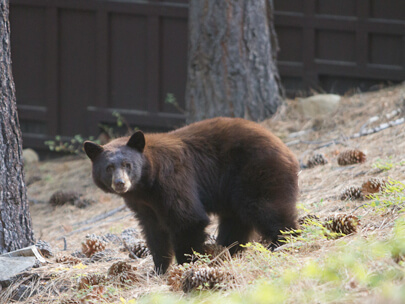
(30, 156)
(319, 105)
(11, 266)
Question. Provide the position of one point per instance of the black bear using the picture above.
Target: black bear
(231, 167)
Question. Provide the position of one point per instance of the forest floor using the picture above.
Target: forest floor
(316, 267)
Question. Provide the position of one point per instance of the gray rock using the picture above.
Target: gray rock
(11, 266)
(319, 105)
(30, 156)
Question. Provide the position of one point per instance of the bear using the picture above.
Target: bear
(231, 167)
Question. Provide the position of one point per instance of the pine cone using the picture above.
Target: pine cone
(112, 238)
(175, 277)
(91, 280)
(92, 244)
(214, 250)
(205, 278)
(129, 234)
(68, 259)
(351, 192)
(129, 238)
(123, 273)
(342, 223)
(83, 203)
(350, 157)
(45, 248)
(60, 198)
(372, 185)
(304, 219)
(98, 294)
(139, 250)
(102, 256)
(70, 301)
(316, 160)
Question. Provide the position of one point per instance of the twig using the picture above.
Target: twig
(381, 127)
(311, 142)
(101, 216)
(362, 205)
(362, 132)
(64, 244)
(371, 120)
(333, 142)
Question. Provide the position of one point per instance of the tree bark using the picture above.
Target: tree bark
(15, 220)
(232, 60)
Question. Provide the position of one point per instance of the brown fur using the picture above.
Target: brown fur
(226, 166)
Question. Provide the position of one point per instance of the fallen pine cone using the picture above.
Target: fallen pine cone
(316, 160)
(45, 248)
(68, 259)
(307, 218)
(175, 276)
(214, 250)
(102, 256)
(92, 244)
(350, 157)
(91, 280)
(352, 193)
(372, 185)
(189, 277)
(205, 278)
(138, 250)
(342, 223)
(97, 294)
(60, 198)
(70, 301)
(123, 273)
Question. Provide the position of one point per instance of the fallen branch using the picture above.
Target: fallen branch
(326, 143)
(91, 226)
(311, 142)
(101, 216)
(381, 127)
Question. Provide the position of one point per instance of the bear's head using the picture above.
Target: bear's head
(117, 166)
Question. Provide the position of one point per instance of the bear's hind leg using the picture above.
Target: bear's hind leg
(233, 231)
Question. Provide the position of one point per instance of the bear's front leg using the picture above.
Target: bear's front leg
(157, 238)
(188, 239)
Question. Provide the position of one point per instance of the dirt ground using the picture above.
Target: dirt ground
(320, 187)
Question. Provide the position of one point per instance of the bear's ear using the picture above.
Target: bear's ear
(137, 141)
(92, 149)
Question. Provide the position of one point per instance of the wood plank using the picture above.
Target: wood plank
(153, 64)
(52, 75)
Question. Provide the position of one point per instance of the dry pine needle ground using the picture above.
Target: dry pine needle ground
(321, 195)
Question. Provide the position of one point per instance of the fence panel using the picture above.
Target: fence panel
(77, 61)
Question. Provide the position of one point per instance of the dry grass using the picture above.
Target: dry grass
(257, 272)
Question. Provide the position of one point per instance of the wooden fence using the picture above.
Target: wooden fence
(77, 61)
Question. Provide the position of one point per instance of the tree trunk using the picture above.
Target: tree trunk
(232, 60)
(15, 220)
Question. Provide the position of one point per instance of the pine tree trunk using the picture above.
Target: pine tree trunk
(232, 60)
(15, 220)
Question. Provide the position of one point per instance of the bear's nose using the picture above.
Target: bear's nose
(119, 183)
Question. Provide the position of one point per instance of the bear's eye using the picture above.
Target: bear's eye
(127, 165)
(110, 168)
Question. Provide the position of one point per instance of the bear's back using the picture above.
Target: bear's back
(224, 135)
(220, 153)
